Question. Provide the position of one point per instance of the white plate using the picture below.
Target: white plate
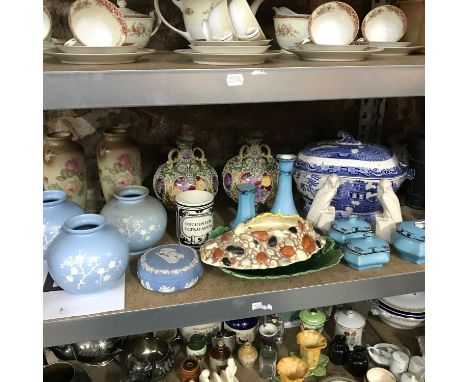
(77, 49)
(383, 44)
(228, 59)
(97, 23)
(230, 49)
(310, 46)
(401, 51)
(409, 302)
(47, 20)
(230, 43)
(386, 23)
(335, 56)
(96, 59)
(333, 23)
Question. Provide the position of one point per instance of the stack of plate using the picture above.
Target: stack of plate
(355, 51)
(229, 52)
(405, 311)
(100, 31)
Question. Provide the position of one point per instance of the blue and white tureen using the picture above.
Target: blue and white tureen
(169, 268)
(360, 168)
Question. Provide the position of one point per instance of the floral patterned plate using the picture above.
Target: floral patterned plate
(329, 256)
(96, 59)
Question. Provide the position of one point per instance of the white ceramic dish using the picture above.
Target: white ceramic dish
(331, 56)
(47, 22)
(409, 302)
(230, 49)
(401, 51)
(354, 47)
(333, 23)
(228, 59)
(381, 353)
(97, 23)
(386, 23)
(399, 322)
(77, 49)
(230, 43)
(291, 29)
(96, 59)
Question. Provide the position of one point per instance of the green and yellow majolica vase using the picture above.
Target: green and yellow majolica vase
(119, 162)
(254, 164)
(186, 169)
(64, 167)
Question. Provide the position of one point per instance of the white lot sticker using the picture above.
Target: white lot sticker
(236, 79)
(261, 305)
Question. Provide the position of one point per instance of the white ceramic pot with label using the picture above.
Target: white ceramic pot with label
(350, 324)
(205, 329)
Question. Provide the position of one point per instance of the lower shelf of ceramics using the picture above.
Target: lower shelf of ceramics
(374, 332)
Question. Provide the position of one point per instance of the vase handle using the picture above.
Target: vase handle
(172, 157)
(268, 151)
(200, 158)
(244, 150)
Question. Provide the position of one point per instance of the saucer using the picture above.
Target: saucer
(356, 47)
(333, 23)
(401, 51)
(216, 49)
(79, 49)
(96, 59)
(230, 43)
(97, 23)
(384, 44)
(385, 23)
(326, 55)
(228, 59)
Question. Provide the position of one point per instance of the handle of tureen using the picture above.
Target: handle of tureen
(347, 139)
(186, 35)
(158, 22)
(408, 173)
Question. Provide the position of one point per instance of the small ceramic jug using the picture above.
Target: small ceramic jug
(189, 370)
(219, 356)
(247, 354)
(254, 164)
(196, 347)
(358, 362)
(186, 169)
(338, 352)
(64, 167)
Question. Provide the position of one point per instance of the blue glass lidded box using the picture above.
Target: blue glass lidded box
(368, 252)
(169, 268)
(409, 239)
(347, 229)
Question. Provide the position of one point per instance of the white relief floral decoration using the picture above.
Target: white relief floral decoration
(130, 227)
(171, 255)
(166, 289)
(191, 283)
(49, 232)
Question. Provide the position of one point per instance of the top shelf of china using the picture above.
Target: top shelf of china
(166, 79)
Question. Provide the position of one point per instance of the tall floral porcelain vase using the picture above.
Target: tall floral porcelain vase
(64, 166)
(255, 165)
(186, 169)
(139, 217)
(119, 162)
(56, 208)
(88, 255)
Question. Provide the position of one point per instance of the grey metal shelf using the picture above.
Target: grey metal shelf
(166, 79)
(219, 297)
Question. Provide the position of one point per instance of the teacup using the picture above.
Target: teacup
(218, 24)
(378, 374)
(244, 21)
(291, 30)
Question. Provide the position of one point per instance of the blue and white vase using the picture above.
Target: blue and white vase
(284, 201)
(139, 217)
(88, 255)
(56, 208)
(246, 206)
(359, 166)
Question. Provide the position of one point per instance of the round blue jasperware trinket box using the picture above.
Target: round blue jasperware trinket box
(169, 268)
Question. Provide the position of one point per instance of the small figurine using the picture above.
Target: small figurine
(229, 374)
(385, 223)
(321, 215)
(204, 376)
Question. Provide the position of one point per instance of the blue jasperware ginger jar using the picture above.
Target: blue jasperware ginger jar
(368, 252)
(56, 208)
(139, 217)
(350, 228)
(409, 239)
(169, 268)
(359, 166)
(88, 255)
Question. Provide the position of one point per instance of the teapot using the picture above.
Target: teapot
(195, 11)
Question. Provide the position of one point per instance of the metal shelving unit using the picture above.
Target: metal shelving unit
(166, 79)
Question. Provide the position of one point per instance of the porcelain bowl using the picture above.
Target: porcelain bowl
(398, 322)
(97, 23)
(245, 329)
(290, 30)
(386, 23)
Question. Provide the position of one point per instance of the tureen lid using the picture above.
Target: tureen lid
(340, 155)
(128, 12)
(312, 317)
(350, 319)
(368, 245)
(171, 261)
(413, 229)
(351, 225)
